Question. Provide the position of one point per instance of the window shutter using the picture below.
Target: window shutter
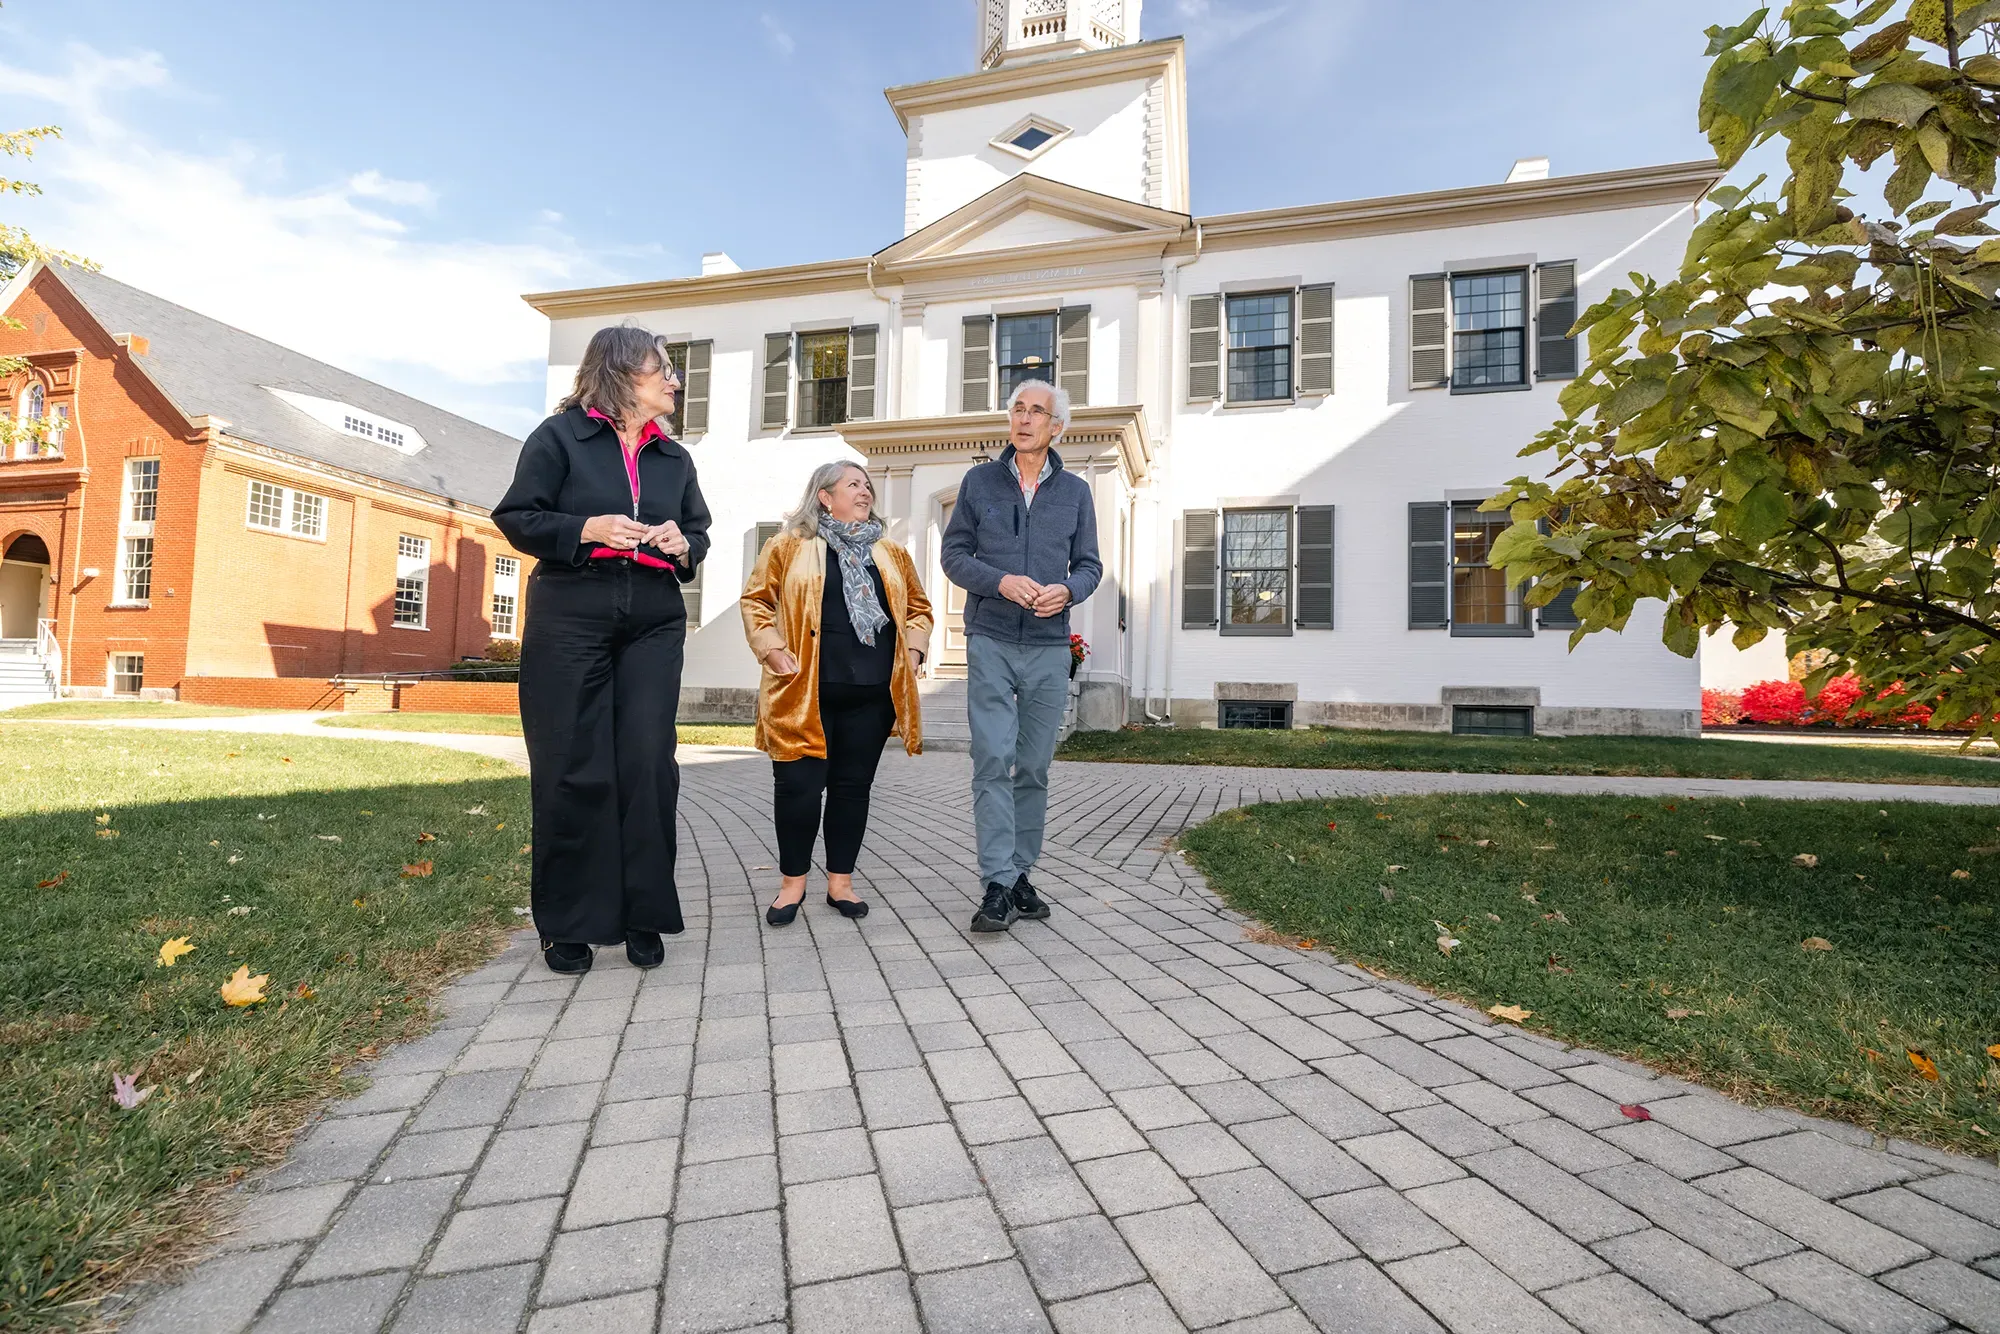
(1555, 311)
(1073, 353)
(1560, 613)
(1316, 340)
(861, 372)
(691, 595)
(1204, 349)
(975, 380)
(1198, 552)
(1315, 547)
(1430, 566)
(694, 388)
(765, 532)
(1430, 331)
(777, 380)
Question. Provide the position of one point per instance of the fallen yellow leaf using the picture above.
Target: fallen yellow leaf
(1511, 1013)
(1446, 944)
(243, 989)
(172, 950)
(427, 838)
(104, 818)
(1805, 859)
(107, 833)
(1816, 944)
(1925, 1065)
(1994, 1051)
(1961, 875)
(418, 869)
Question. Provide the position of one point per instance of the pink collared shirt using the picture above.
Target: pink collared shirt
(651, 432)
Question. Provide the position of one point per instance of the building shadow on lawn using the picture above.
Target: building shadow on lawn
(356, 904)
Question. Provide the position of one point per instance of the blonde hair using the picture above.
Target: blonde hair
(804, 521)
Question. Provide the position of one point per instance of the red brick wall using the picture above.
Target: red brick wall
(458, 697)
(263, 692)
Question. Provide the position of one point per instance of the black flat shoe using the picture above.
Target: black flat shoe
(1028, 903)
(645, 949)
(851, 909)
(777, 916)
(997, 911)
(566, 956)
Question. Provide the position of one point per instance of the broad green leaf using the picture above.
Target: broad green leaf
(1761, 514)
(1902, 103)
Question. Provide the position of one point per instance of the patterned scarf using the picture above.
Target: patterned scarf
(854, 543)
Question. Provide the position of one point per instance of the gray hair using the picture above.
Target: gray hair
(804, 521)
(615, 357)
(1058, 407)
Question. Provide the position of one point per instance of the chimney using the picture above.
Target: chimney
(1529, 169)
(715, 261)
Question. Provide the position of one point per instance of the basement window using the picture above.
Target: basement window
(1492, 720)
(128, 673)
(1254, 714)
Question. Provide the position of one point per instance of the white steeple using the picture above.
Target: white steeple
(1011, 31)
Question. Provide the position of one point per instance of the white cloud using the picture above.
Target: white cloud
(334, 270)
(778, 36)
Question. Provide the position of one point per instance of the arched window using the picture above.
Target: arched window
(34, 402)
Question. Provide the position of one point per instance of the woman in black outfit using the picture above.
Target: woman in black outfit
(608, 506)
(831, 585)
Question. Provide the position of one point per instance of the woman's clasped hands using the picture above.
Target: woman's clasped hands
(623, 534)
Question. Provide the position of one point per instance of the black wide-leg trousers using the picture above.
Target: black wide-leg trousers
(600, 688)
(857, 721)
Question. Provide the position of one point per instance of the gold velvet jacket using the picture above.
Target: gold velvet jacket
(781, 609)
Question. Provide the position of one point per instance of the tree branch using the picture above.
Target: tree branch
(1919, 605)
(1817, 97)
(1950, 35)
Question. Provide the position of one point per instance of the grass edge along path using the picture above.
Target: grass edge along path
(1787, 952)
(1590, 756)
(299, 858)
(107, 710)
(509, 724)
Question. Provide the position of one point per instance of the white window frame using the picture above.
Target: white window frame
(506, 584)
(111, 673)
(413, 566)
(292, 503)
(132, 531)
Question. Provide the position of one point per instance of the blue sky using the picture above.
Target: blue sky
(375, 183)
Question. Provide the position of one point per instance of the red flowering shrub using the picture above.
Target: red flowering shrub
(1836, 700)
(1720, 708)
(1779, 702)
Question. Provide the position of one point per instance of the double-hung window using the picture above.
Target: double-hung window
(1489, 321)
(413, 581)
(1027, 351)
(1000, 353)
(127, 674)
(822, 379)
(834, 371)
(1249, 348)
(138, 508)
(1257, 571)
(1454, 583)
(506, 597)
(1261, 567)
(1480, 330)
(283, 509)
(1260, 347)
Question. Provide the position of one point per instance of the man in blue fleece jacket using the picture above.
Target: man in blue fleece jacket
(1022, 543)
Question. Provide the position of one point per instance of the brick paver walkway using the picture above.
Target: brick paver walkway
(1128, 1118)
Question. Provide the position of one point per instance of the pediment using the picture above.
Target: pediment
(1031, 212)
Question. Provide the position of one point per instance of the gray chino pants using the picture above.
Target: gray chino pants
(1014, 701)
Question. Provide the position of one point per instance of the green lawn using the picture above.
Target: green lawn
(1343, 748)
(1672, 932)
(285, 854)
(507, 724)
(73, 709)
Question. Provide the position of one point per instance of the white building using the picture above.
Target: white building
(1289, 417)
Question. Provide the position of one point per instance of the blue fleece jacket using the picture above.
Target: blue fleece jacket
(993, 532)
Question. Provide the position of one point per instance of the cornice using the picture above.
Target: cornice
(1673, 183)
(1167, 55)
(753, 284)
(1018, 194)
(1117, 431)
(362, 482)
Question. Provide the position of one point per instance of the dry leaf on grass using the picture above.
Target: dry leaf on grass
(417, 870)
(242, 989)
(1333, 824)
(1394, 869)
(427, 838)
(1447, 943)
(1715, 838)
(107, 833)
(125, 1094)
(172, 950)
(1555, 915)
(1816, 945)
(1994, 1051)
(476, 810)
(328, 838)
(104, 818)
(1925, 1065)
(1961, 875)
(52, 883)
(1388, 894)
(1555, 965)
(1805, 859)
(1513, 1014)
(303, 991)
(241, 910)
(1681, 1014)
(1633, 1111)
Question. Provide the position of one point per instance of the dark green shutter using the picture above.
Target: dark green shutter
(1560, 613)
(1316, 340)
(1555, 312)
(1430, 331)
(975, 371)
(765, 532)
(1315, 547)
(694, 387)
(777, 380)
(861, 372)
(1430, 566)
(1073, 353)
(691, 594)
(1198, 552)
(1204, 349)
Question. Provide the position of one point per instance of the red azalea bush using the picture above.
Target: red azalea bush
(1778, 702)
(1720, 708)
(1841, 702)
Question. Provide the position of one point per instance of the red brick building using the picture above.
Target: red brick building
(209, 506)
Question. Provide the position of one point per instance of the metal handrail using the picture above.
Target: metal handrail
(50, 649)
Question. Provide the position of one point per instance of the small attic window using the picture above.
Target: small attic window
(1030, 137)
(368, 430)
(355, 421)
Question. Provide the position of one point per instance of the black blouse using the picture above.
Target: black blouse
(843, 658)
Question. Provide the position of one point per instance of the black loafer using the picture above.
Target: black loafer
(1028, 903)
(851, 909)
(645, 949)
(566, 956)
(777, 916)
(996, 911)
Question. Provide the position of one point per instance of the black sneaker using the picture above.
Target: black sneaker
(645, 949)
(996, 911)
(566, 956)
(1028, 903)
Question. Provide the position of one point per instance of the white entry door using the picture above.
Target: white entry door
(951, 616)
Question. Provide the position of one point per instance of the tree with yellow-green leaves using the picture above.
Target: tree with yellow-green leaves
(1796, 435)
(17, 251)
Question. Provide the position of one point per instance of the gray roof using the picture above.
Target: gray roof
(207, 367)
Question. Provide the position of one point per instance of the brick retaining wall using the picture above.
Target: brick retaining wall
(264, 692)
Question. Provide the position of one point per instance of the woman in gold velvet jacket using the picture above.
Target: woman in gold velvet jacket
(837, 617)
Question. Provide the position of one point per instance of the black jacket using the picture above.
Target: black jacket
(573, 469)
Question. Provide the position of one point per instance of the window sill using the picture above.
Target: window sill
(129, 606)
(1523, 387)
(1492, 632)
(397, 626)
(280, 532)
(1254, 403)
(1255, 631)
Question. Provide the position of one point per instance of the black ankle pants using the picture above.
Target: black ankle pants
(857, 721)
